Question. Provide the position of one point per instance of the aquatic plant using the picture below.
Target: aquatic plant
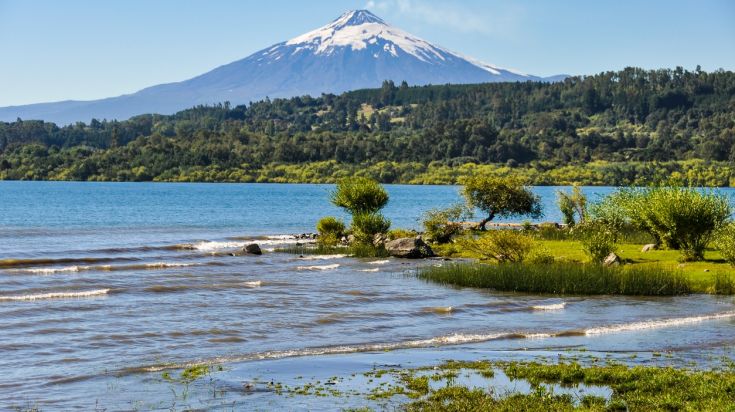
(561, 278)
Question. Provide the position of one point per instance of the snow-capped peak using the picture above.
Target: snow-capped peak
(361, 29)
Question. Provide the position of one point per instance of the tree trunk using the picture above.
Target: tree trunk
(483, 222)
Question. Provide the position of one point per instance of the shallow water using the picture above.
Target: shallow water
(105, 286)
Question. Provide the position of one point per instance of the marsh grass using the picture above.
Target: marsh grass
(561, 278)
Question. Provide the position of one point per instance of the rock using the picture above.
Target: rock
(612, 260)
(409, 248)
(252, 249)
(379, 239)
(649, 247)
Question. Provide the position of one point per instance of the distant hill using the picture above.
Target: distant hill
(357, 50)
(634, 119)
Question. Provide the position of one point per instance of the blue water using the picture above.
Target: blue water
(41, 217)
(103, 286)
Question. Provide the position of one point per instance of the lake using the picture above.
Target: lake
(106, 286)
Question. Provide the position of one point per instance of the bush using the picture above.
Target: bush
(680, 218)
(598, 240)
(330, 230)
(359, 195)
(725, 243)
(500, 245)
(366, 225)
(571, 204)
(540, 256)
(441, 225)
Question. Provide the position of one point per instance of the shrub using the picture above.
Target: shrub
(681, 218)
(725, 243)
(501, 196)
(598, 240)
(571, 204)
(540, 256)
(330, 230)
(359, 195)
(366, 225)
(441, 225)
(500, 245)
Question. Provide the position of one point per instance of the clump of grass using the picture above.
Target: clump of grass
(561, 278)
(723, 284)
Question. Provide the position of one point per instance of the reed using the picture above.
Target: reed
(561, 278)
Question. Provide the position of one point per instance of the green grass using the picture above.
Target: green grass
(711, 275)
(561, 278)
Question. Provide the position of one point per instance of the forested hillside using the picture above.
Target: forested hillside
(602, 129)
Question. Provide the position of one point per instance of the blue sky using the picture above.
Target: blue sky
(83, 49)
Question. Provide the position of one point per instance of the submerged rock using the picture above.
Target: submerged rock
(252, 249)
(409, 248)
(612, 260)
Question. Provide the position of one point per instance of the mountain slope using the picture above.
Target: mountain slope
(358, 50)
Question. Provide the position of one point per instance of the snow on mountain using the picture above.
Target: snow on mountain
(357, 50)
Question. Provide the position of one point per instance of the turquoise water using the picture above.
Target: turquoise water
(106, 286)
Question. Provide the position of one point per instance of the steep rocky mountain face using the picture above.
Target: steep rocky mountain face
(358, 50)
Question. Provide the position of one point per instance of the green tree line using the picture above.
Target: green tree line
(602, 129)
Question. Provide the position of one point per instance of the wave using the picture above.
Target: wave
(214, 246)
(444, 340)
(105, 268)
(438, 309)
(253, 284)
(453, 339)
(656, 324)
(319, 267)
(378, 262)
(554, 306)
(19, 263)
(56, 295)
(369, 270)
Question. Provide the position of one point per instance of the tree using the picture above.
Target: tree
(363, 198)
(359, 195)
(501, 196)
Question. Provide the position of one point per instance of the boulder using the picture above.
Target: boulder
(252, 249)
(649, 247)
(612, 260)
(409, 248)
